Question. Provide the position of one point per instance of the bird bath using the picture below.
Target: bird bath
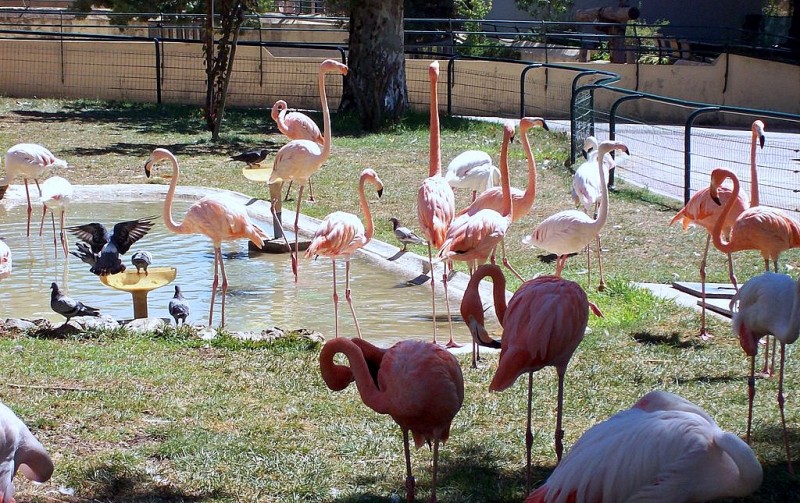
(261, 291)
(140, 284)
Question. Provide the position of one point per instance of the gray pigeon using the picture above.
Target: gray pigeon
(108, 247)
(405, 235)
(85, 253)
(141, 259)
(67, 306)
(178, 307)
(252, 158)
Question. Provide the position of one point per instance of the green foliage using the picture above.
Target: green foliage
(547, 10)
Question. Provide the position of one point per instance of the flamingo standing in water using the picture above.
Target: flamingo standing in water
(218, 218)
(768, 304)
(703, 211)
(664, 448)
(472, 311)
(472, 238)
(6, 264)
(28, 161)
(56, 195)
(436, 202)
(340, 235)
(20, 450)
(570, 231)
(474, 170)
(521, 201)
(419, 384)
(545, 321)
(296, 126)
(299, 159)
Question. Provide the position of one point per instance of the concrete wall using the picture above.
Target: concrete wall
(126, 71)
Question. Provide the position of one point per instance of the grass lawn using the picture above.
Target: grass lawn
(167, 417)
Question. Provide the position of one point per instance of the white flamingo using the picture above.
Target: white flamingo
(57, 193)
(5, 260)
(473, 170)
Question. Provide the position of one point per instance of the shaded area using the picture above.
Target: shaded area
(672, 339)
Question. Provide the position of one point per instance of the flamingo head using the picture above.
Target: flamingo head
(369, 175)
(758, 131)
(718, 176)
(527, 123)
(508, 130)
(156, 156)
(433, 71)
(332, 66)
(589, 144)
(277, 108)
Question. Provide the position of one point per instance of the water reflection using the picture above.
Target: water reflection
(261, 288)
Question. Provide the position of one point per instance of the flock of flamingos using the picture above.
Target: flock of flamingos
(664, 448)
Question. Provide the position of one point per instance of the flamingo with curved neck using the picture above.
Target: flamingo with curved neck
(340, 234)
(768, 304)
(299, 159)
(436, 204)
(472, 311)
(296, 126)
(217, 218)
(570, 231)
(419, 384)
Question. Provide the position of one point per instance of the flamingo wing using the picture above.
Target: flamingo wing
(565, 232)
(474, 236)
(339, 233)
(435, 209)
(297, 160)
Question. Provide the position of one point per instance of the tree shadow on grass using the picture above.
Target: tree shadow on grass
(673, 339)
(179, 149)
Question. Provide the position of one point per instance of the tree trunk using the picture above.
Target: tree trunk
(375, 87)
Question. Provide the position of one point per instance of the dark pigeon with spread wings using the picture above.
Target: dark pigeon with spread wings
(108, 247)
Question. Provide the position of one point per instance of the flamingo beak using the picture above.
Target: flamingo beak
(147, 168)
(380, 192)
(761, 140)
(715, 198)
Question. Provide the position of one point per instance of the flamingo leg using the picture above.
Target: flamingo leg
(41, 224)
(310, 192)
(55, 241)
(335, 302)
(765, 370)
(506, 263)
(64, 242)
(731, 274)
(295, 265)
(751, 394)
(433, 291)
(528, 436)
(435, 470)
(703, 332)
(559, 436)
(409, 478)
(286, 198)
(224, 284)
(780, 406)
(214, 285)
(560, 264)
(602, 285)
(348, 296)
(450, 343)
(30, 208)
(588, 267)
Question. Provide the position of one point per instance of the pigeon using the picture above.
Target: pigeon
(178, 307)
(252, 158)
(141, 259)
(405, 235)
(85, 253)
(67, 306)
(19, 449)
(107, 247)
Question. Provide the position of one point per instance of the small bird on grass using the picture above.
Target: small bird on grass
(108, 247)
(178, 307)
(141, 260)
(405, 235)
(252, 158)
(67, 306)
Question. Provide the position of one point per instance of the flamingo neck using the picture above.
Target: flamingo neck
(505, 184)
(719, 243)
(326, 118)
(602, 212)
(338, 376)
(753, 171)
(362, 197)
(499, 293)
(792, 327)
(750, 471)
(435, 166)
(281, 122)
(173, 184)
(530, 191)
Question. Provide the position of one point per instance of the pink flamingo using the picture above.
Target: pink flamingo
(218, 218)
(28, 161)
(570, 231)
(521, 201)
(296, 126)
(419, 384)
(340, 235)
(436, 203)
(768, 304)
(19, 450)
(545, 321)
(473, 170)
(6, 264)
(299, 159)
(664, 448)
(472, 311)
(472, 238)
(703, 211)
(56, 194)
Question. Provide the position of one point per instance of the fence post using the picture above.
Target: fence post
(612, 128)
(158, 70)
(451, 72)
(522, 86)
(687, 150)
